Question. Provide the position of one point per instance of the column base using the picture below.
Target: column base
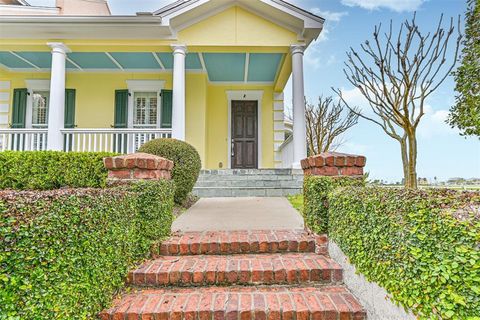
(296, 165)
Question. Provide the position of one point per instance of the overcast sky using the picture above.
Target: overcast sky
(442, 152)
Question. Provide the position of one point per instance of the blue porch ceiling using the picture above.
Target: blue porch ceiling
(220, 67)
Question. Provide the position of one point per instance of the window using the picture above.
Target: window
(145, 109)
(40, 109)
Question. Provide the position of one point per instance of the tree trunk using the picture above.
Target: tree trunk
(404, 151)
(412, 159)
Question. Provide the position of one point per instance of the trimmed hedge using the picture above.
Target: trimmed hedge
(46, 170)
(187, 163)
(316, 190)
(421, 246)
(65, 253)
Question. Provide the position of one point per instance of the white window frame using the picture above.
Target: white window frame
(144, 86)
(245, 95)
(35, 85)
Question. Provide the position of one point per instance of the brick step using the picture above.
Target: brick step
(237, 242)
(249, 269)
(245, 303)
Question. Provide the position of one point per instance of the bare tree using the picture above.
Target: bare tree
(326, 123)
(396, 74)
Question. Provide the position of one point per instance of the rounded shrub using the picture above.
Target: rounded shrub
(187, 163)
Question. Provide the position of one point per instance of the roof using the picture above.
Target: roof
(184, 3)
(162, 24)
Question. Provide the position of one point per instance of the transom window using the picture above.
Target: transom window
(145, 109)
(40, 108)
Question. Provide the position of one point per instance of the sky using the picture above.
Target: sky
(442, 152)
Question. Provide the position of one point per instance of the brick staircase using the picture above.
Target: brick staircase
(238, 275)
(249, 183)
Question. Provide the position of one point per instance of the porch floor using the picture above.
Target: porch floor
(248, 213)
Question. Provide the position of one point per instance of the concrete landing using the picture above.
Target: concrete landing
(249, 213)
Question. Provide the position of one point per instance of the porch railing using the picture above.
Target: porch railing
(112, 140)
(23, 139)
(286, 149)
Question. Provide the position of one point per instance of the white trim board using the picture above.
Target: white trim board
(245, 95)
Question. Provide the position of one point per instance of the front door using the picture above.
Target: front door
(244, 144)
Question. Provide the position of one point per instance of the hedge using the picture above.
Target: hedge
(64, 253)
(315, 190)
(46, 170)
(187, 163)
(421, 246)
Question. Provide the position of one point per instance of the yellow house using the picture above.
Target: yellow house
(210, 72)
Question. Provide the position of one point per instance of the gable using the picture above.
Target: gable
(236, 26)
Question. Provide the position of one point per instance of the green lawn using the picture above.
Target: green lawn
(297, 202)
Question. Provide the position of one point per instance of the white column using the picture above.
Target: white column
(178, 108)
(56, 107)
(299, 125)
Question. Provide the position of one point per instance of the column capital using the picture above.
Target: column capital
(297, 48)
(179, 48)
(59, 47)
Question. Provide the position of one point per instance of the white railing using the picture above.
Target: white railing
(23, 139)
(286, 149)
(111, 140)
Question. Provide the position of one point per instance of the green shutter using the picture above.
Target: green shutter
(69, 108)
(121, 107)
(120, 121)
(166, 121)
(19, 108)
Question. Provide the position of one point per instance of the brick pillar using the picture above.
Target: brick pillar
(137, 166)
(334, 164)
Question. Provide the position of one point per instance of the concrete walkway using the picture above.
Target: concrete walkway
(214, 214)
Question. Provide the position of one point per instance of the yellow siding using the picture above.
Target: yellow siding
(236, 27)
(96, 94)
(196, 113)
(95, 97)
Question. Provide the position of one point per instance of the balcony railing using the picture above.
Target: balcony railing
(23, 139)
(110, 140)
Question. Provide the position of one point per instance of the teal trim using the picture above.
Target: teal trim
(166, 58)
(92, 60)
(136, 60)
(225, 66)
(263, 67)
(192, 61)
(10, 61)
(40, 59)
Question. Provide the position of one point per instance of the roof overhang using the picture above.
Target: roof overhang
(80, 27)
(163, 24)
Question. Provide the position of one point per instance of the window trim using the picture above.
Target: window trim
(144, 86)
(147, 95)
(35, 85)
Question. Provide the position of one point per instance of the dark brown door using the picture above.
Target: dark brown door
(244, 135)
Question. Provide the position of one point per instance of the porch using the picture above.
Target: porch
(113, 83)
(81, 140)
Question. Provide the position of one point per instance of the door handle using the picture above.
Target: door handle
(232, 148)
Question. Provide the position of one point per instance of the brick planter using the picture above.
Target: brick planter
(334, 164)
(137, 166)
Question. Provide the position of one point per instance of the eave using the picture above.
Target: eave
(80, 27)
